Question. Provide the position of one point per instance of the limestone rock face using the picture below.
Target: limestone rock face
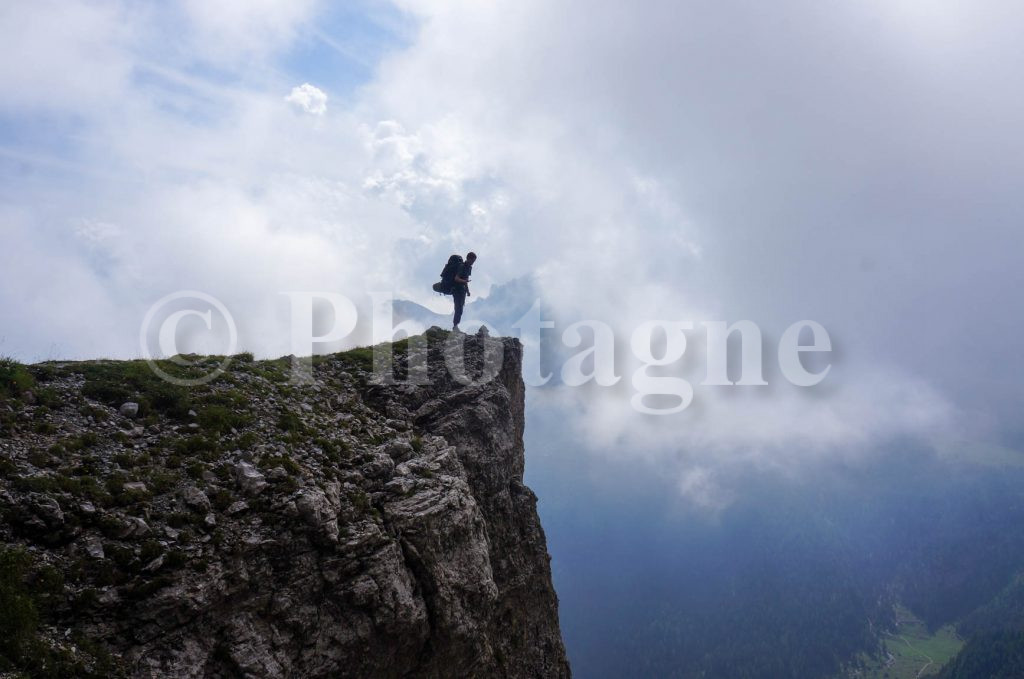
(354, 526)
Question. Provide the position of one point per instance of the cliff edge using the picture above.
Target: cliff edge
(255, 527)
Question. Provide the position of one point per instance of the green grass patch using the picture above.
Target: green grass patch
(45, 428)
(912, 650)
(247, 440)
(360, 357)
(81, 442)
(28, 591)
(97, 414)
(268, 462)
(220, 419)
(43, 372)
(47, 397)
(193, 447)
(274, 370)
(333, 450)
(116, 382)
(15, 379)
(19, 617)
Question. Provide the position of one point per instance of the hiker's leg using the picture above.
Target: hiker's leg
(460, 301)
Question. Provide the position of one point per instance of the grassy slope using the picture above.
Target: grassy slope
(914, 651)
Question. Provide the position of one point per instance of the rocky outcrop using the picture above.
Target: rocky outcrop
(347, 527)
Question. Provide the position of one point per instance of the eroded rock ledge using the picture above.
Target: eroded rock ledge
(252, 527)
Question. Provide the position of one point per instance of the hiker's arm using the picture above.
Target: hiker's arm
(460, 279)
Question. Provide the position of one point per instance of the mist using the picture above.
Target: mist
(855, 164)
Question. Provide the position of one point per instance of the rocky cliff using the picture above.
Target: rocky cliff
(256, 527)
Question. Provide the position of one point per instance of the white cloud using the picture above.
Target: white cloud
(699, 486)
(69, 56)
(308, 98)
(658, 170)
(683, 162)
(232, 32)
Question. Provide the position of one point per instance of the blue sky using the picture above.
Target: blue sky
(342, 51)
(338, 53)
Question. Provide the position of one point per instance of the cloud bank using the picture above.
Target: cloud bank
(857, 164)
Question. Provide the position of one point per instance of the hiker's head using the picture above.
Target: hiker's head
(471, 257)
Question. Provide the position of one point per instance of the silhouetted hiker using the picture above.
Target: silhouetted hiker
(460, 289)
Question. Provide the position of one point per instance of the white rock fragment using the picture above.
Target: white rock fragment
(238, 506)
(249, 479)
(195, 499)
(94, 548)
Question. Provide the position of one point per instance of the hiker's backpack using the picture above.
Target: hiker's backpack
(448, 274)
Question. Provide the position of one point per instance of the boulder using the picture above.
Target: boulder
(249, 479)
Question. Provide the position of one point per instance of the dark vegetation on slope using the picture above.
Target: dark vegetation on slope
(796, 577)
(256, 527)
